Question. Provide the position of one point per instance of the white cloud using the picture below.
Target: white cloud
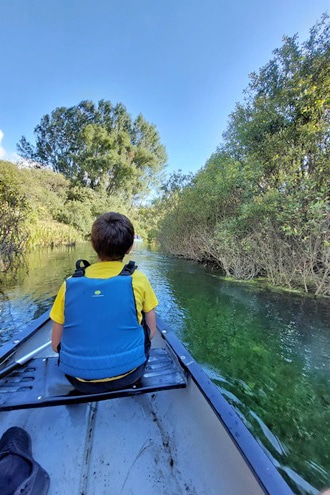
(15, 158)
(4, 155)
(2, 150)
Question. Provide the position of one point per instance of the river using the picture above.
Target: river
(268, 351)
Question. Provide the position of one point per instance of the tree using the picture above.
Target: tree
(100, 147)
(284, 124)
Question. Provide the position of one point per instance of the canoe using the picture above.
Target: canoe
(172, 433)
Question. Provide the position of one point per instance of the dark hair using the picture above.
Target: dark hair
(112, 236)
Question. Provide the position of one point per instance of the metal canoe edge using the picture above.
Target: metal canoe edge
(9, 348)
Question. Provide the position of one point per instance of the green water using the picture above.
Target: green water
(268, 352)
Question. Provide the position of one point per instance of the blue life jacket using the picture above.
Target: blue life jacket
(102, 337)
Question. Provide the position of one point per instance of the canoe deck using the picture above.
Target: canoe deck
(164, 443)
(40, 383)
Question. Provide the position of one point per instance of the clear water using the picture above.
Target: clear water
(268, 352)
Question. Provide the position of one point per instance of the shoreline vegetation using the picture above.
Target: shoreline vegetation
(260, 282)
(259, 209)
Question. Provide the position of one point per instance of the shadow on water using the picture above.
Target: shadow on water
(267, 351)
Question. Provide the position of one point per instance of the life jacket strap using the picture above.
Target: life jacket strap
(81, 266)
(80, 270)
(129, 269)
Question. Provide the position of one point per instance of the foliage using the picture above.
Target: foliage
(31, 200)
(261, 204)
(14, 235)
(99, 146)
(150, 216)
(42, 208)
(49, 233)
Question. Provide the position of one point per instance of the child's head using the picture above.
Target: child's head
(112, 236)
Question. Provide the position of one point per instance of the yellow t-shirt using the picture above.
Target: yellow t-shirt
(145, 297)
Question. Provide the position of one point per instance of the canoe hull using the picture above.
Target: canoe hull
(187, 440)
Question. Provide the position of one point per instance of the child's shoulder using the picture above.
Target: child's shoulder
(140, 278)
(139, 275)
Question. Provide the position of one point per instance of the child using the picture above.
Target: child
(97, 317)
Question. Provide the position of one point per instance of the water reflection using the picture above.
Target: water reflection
(267, 351)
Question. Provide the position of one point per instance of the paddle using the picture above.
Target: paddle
(24, 359)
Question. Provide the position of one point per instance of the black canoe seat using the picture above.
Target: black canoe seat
(40, 383)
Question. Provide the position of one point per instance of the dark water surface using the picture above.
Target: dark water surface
(269, 352)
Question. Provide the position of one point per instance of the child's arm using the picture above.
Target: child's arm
(150, 318)
(56, 335)
(57, 315)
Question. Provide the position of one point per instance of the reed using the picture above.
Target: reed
(49, 233)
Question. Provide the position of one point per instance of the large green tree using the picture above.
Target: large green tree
(284, 123)
(99, 146)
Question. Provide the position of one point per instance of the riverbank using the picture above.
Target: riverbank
(261, 282)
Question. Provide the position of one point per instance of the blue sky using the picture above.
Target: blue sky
(183, 64)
